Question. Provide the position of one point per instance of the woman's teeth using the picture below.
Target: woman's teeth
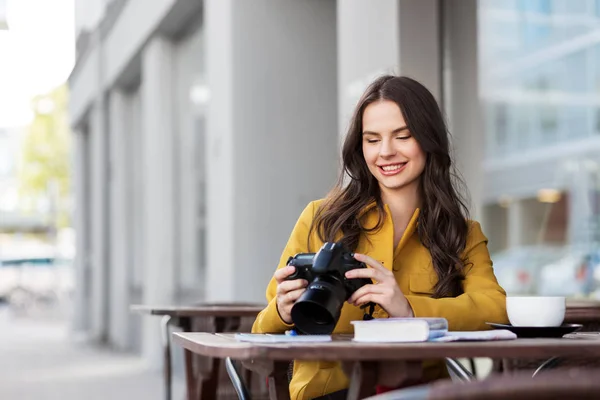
(392, 167)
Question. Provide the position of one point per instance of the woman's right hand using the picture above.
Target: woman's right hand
(288, 292)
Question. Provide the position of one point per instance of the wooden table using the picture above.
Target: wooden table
(365, 359)
(218, 317)
(583, 311)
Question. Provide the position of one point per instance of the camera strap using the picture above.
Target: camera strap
(368, 316)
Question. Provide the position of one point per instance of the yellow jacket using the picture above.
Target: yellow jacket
(483, 299)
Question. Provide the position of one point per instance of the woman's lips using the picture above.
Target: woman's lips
(392, 169)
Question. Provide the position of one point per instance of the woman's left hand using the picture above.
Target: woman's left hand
(384, 291)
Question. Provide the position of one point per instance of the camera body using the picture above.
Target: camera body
(318, 309)
(332, 259)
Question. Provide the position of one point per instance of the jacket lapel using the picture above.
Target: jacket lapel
(408, 232)
(380, 243)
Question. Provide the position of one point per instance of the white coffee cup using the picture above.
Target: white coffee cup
(535, 311)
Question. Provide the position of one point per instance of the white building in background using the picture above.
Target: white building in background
(203, 128)
(3, 21)
(540, 79)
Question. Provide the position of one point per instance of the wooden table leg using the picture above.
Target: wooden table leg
(279, 387)
(204, 383)
(208, 382)
(366, 375)
(185, 324)
(363, 379)
(190, 377)
(277, 376)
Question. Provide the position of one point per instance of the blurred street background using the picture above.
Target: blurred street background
(160, 152)
(42, 359)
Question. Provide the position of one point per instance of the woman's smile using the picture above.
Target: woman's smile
(392, 169)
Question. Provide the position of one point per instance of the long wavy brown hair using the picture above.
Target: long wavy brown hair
(443, 226)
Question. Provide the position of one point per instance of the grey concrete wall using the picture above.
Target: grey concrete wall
(496, 218)
(84, 85)
(99, 221)
(121, 222)
(272, 132)
(420, 54)
(368, 37)
(189, 65)
(159, 184)
(130, 33)
(81, 221)
(461, 96)
(388, 36)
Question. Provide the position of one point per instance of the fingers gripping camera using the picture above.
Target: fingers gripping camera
(318, 309)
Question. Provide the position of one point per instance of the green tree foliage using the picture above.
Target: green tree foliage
(45, 159)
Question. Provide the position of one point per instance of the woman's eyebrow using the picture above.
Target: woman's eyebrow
(397, 130)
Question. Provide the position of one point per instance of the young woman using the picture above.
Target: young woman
(399, 210)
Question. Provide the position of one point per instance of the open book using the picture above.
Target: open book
(398, 330)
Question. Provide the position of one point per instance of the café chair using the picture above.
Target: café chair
(457, 373)
(572, 384)
(236, 380)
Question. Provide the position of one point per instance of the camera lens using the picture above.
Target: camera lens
(317, 311)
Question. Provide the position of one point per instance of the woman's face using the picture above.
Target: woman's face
(393, 156)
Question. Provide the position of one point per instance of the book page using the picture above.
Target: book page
(496, 334)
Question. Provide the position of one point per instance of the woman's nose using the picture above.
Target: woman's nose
(387, 149)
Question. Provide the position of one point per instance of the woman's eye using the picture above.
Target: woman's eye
(372, 140)
(403, 137)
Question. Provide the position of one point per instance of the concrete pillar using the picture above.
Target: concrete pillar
(495, 226)
(271, 132)
(99, 220)
(420, 53)
(461, 95)
(368, 39)
(120, 221)
(190, 93)
(81, 221)
(137, 193)
(159, 185)
(516, 214)
(383, 37)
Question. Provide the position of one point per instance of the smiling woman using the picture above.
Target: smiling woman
(389, 148)
(401, 214)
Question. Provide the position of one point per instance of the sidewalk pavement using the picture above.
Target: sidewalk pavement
(39, 359)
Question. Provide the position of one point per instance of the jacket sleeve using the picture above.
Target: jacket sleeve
(483, 299)
(269, 320)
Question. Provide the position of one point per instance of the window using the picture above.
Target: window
(535, 6)
(553, 75)
(549, 123)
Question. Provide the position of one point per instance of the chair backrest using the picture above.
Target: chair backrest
(572, 384)
(559, 384)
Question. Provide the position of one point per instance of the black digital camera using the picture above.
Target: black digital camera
(318, 310)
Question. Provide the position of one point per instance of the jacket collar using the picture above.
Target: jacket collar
(372, 217)
(380, 244)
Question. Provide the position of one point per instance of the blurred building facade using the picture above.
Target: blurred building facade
(203, 128)
(3, 21)
(540, 77)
